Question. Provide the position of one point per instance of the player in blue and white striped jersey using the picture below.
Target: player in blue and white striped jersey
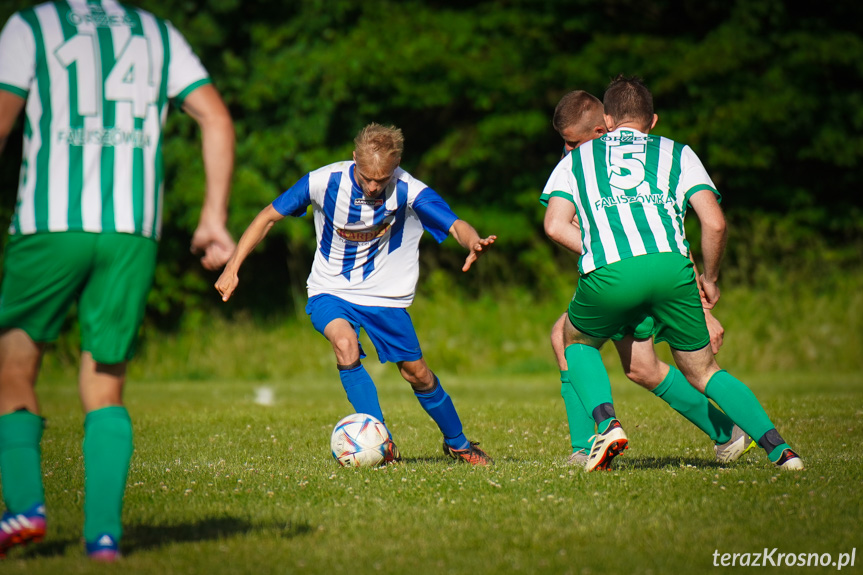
(369, 216)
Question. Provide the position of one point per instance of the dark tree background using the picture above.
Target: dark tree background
(768, 93)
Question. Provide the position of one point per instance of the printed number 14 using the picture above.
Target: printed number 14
(128, 81)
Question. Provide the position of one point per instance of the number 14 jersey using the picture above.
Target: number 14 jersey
(97, 77)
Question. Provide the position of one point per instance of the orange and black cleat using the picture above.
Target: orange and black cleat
(471, 454)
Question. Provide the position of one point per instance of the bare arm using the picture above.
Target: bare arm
(469, 239)
(257, 231)
(713, 237)
(561, 224)
(10, 107)
(211, 237)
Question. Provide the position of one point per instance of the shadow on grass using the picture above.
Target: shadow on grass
(428, 459)
(665, 463)
(146, 537)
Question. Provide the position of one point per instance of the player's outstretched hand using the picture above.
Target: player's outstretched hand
(476, 250)
(227, 283)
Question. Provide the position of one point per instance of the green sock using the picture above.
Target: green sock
(773, 444)
(107, 451)
(21, 460)
(739, 403)
(694, 406)
(590, 381)
(581, 424)
(776, 453)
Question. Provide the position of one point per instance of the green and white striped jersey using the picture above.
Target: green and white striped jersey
(97, 77)
(630, 191)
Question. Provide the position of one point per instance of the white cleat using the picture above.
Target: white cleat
(732, 449)
(606, 446)
(790, 461)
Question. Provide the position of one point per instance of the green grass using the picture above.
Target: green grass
(220, 484)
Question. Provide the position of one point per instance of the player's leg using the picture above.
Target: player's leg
(581, 424)
(590, 380)
(642, 366)
(20, 437)
(36, 295)
(438, 404)
(738, 401)
(334, 319)
(107, 449)
(588, 374)
(434, 400)
(681, 322)
(394, 337)
(594, 317)
(356, 381)
(111, 309)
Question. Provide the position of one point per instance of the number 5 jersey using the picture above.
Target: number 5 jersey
(631, 191)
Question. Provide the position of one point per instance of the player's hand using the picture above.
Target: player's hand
(716, 331)
(227, 283)
(215, 243)
(709, 292)
(476, 250)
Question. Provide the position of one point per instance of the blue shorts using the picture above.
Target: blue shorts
(390, 328)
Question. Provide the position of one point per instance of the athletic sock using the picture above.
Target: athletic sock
(694, 406)
(21, 460)
(773, 444)
(739, 403)
(107, 451)
(590, 381)
(361, 391)
(438, 405)
(581, 424)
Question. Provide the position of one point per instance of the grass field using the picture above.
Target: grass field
(220, 484)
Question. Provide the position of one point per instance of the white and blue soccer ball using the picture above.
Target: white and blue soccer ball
(360, 440)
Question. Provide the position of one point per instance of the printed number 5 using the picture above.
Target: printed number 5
(626, 166)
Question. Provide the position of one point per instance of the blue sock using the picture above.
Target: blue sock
(361, 391)
(438, 405)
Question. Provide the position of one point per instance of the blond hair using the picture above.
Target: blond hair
(379, 145)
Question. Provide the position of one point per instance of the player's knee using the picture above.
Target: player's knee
(418, 375)
(642, 376)
(346, 349)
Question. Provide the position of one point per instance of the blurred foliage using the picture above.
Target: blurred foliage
(767, 93)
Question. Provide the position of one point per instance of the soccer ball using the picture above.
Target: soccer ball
(360, 440)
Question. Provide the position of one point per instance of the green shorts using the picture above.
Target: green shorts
(654, 293)
(108, 275)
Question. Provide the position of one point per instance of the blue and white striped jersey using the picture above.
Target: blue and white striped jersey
(368, 248)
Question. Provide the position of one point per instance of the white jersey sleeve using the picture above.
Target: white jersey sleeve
(185, 72)
(561, 182)
(693, 176)
(17, 56)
